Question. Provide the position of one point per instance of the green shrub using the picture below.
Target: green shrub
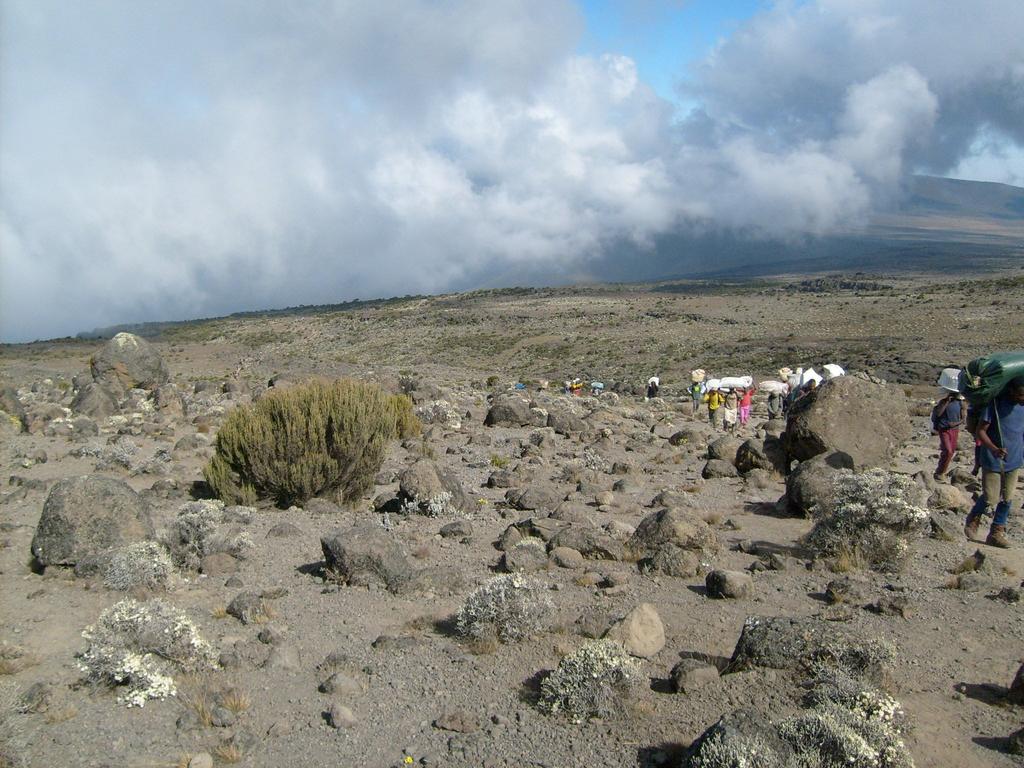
(321, 438)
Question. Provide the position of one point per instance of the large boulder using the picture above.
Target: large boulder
(768, 454)
(868, 421)
(591, 541)
(532, 498)
(513, 411)
(719, 468)
(129, 362)
(787, 642)
(366, 553)
(85, 518)
(811, 484)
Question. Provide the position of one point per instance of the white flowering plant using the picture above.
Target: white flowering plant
(508, 608)
(139, 645)
(875, 516)
(595, 681)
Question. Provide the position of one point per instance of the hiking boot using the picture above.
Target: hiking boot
(997, 537)
(971, 527)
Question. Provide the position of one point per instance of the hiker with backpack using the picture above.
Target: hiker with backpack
(1001, 432)
(947, 416)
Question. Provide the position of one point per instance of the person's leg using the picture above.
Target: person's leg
(989, 490)
(947, 447)
(1007, 491)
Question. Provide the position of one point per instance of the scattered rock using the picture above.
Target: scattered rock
(567, 557)
(340, 716)
(811, 484)
(640, 631)
(690, 675)
(729, 584)
(365, 553)
(719, 468)
(460, 529)
(527, 556)
(458, 721)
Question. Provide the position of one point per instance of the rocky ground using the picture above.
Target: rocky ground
(376, 673)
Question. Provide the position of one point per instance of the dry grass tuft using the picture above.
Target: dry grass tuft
(227, 753)
(235, 700)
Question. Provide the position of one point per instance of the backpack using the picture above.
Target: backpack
(984, 378)
(936, 416)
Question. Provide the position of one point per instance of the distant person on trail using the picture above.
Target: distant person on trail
(653, 385)
(776, 405)
(714, 399)
(696, 394)
(1001, 432)
(746, 401)
(947, 417)
(729, 408)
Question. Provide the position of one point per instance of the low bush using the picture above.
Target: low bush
(875, 516)
(139, 645)
(143, 564)
(595, 681)
(508, 608)
(316, 439)
(197, 532)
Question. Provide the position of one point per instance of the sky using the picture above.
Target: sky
(174, 159)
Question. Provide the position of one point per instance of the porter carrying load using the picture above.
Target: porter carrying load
(984, 378)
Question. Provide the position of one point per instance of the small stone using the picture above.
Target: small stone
(729, 584)
(284, 530)
(458, 721)
(234, 583)
(222, 717)
(640, 631)
(344, 684)
(891, 605)
(340, 716)
(566, 557)
(457, 529)
(690, 674)
(270, 635)
(1009, 595)
(202, 760)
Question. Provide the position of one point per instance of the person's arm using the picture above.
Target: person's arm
(986, 441)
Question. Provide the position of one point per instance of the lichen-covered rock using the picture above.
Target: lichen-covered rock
(87, 517)
(129, 362)
(867, 421)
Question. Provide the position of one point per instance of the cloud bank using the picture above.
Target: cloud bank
(175, 160)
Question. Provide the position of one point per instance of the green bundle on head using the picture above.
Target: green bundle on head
(321, 438)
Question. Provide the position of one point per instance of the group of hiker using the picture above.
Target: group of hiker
(729, 400)
(997, 425)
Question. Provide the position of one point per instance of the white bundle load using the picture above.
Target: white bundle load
(698, 375)
(654, 380)
(949, 379)
(785, 373)
(833, 371)
(737, 382)
(774, 387)
(810, 375)
(713, 384)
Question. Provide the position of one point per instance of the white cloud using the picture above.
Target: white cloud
(192, 158)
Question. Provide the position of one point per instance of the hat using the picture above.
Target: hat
(949, 379)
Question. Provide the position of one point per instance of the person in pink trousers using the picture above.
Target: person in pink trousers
(746, 399)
